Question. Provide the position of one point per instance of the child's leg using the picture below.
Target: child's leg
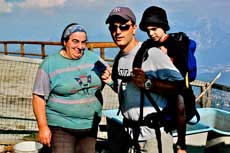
(181, 122)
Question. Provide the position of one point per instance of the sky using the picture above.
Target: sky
(205, 21)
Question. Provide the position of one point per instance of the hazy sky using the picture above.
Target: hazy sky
(206, 21)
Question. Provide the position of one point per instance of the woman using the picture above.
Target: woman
(67, 99)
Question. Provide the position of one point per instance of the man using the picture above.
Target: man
(157, 76)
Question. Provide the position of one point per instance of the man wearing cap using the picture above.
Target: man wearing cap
(158, 76)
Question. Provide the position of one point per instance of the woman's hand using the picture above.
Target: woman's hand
(44, 136)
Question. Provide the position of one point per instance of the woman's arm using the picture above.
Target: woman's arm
(44, 135)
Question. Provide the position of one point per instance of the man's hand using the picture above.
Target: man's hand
(106, 75)
(138, 77)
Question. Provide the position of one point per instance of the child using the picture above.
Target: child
(154, 22)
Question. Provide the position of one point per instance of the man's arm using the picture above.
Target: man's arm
(163, 87)
(166, 87)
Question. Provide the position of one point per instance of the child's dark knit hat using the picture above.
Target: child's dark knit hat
(154, 16)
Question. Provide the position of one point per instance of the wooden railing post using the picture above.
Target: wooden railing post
(22, 49)
(209, 98)
(5, 49)
(102, 53)
(202, 100)
(43, 51)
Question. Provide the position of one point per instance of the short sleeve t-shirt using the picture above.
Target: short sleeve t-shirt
(158, 65)
(72, 90)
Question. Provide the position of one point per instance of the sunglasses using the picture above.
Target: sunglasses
(122, 27)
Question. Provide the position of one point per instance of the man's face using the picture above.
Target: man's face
(122, 33)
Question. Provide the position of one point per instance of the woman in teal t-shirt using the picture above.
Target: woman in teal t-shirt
(67, 99)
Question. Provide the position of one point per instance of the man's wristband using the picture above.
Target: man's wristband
(110, 84)
(148, 84)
